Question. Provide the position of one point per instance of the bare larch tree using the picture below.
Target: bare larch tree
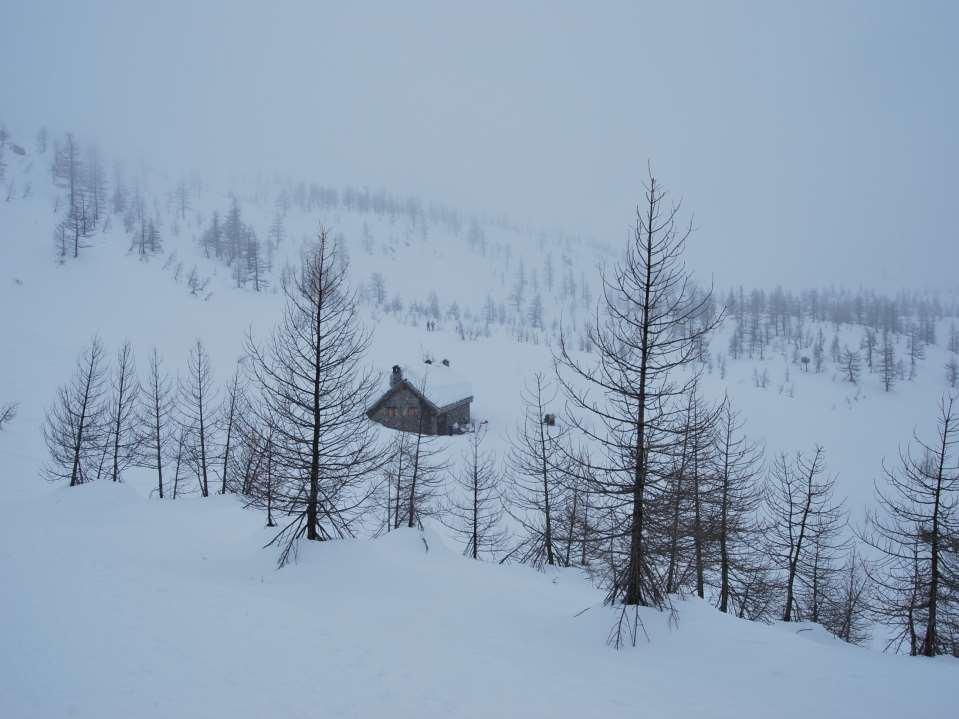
(313, 391)
(124, 402)
(233, 405)
(536, 479)
(74, 428)
(800, 504)
(156, 418)
(475, 513)
(915, 528)
(197, 399)
(630, 403)
(739, 464)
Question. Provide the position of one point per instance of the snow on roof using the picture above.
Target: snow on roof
(440, 384)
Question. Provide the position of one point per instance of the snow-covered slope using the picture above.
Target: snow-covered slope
(113, 604)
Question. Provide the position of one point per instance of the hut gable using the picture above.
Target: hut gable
(428, 398)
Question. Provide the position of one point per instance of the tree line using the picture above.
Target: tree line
(895, 331)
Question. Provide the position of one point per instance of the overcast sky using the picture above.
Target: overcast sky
(815, 142)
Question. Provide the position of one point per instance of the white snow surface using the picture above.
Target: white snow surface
(114, 604)
(440, 384)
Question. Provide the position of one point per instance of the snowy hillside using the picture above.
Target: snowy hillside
(477, 280)
(117, 604)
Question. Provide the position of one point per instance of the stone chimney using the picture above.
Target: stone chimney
(397, 376)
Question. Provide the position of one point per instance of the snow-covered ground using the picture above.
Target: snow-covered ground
(115, 604)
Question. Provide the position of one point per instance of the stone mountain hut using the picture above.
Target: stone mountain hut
(428, 398)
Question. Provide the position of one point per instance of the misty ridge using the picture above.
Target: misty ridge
(449, 362)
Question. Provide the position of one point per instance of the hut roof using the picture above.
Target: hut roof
(440, 384)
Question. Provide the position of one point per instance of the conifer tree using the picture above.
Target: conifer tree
(197, 400)
(313, 391)
(476, 511)
(156, 418)
(74, 429)
(915, 528)
(631, 400)
(123, 429)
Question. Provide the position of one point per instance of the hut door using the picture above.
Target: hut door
(441, 427)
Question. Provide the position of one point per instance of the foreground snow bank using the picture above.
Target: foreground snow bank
(116, 606)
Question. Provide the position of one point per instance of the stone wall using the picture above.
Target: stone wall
(401, 410)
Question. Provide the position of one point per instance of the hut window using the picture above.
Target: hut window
(391, 411)
(412, 411)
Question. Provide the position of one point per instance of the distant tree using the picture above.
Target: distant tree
(549, 271)
(156, 415)
(535, 314)
(574, 520)
(181, 198)
(818, 353)
(179, 456)
(953, 344)
(138, 224)
(95, 184)
(257, 265)
(952, 371)
(433, 305)
(234, 233)
(887, 363)
(74, 428)
(378, 287)
(737, 342)
(738, 465)
(818, 575)
(395, 471)
(418, 490)
(233, 408)
(536, 477)
(122, 415)
(154, 243)
(851, 365)
(698, 486)
(870, 343)
(43, 140)
(68, 173)
(848, 614)
(834, 349)
(259, 480)
(475, 514)
(800, 505)
(119, 198)
(915, 529)
(212, 238)
(278, 231)
(518, 295)
(916, 348)
(196, 403)
(314, 390)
